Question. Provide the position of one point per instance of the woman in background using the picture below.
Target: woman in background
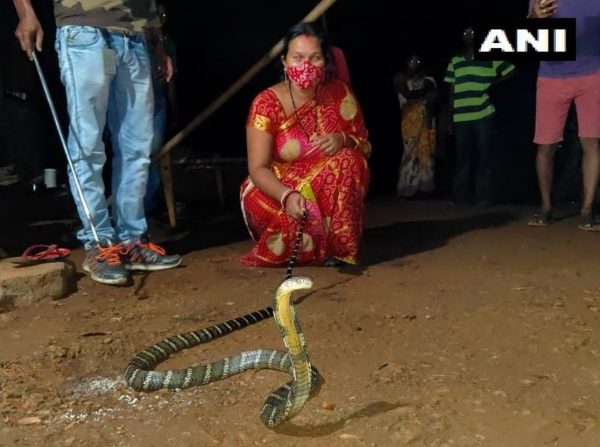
(417, 94)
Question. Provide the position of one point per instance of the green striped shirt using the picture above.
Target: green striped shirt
(472, 79)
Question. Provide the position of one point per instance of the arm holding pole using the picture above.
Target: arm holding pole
(29, 31)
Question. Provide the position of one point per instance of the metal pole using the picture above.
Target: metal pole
(86, 209)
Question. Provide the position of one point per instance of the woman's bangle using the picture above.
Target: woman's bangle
(356, 141)
(285, 196)
(352, 138)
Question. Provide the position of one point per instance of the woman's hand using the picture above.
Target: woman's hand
(295, 205)
(329, 143)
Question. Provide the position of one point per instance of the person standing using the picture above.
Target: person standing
(560, 84)
(105, 68)
(417, 94)
(472, 117)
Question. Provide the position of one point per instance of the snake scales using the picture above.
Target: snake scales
(283, 403)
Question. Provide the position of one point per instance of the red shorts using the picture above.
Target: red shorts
(554, 97)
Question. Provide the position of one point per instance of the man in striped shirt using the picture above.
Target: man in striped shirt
(472, 113)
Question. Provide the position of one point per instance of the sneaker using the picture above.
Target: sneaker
(144, 255)
(103, 263)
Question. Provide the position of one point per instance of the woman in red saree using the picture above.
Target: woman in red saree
(307, 151)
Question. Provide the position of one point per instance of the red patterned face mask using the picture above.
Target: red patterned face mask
(305, 75)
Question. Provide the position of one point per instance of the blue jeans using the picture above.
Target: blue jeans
(160, 128)
(107, 79)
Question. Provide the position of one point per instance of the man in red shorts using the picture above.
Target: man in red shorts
(559, 84)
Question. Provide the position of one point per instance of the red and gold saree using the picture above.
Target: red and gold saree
(334, 187)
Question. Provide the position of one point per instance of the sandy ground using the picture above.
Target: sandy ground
(463, 327)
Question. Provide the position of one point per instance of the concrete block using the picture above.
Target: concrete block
(23, 286)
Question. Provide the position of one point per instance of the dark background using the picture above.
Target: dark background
(217, 41)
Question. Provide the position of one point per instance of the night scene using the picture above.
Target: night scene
(299, 223)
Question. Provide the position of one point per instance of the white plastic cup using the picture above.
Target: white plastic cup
(50, 178)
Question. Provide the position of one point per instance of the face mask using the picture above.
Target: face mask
(305, 75)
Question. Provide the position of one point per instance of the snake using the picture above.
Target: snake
(281, 404)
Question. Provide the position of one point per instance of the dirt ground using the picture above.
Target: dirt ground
(462, 327)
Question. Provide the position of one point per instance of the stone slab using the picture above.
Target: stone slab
(25, 285)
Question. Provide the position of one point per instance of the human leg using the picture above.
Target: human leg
(130, 116)
(87, 68)
(87, 72)
(464, 160)
(553, 99)
(587, 103)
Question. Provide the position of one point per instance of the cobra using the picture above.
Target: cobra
(283, 403)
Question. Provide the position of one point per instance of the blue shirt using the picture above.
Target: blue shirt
(587, 39)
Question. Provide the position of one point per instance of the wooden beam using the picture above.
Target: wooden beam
(317, 11)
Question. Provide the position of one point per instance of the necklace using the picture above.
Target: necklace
(316, 118)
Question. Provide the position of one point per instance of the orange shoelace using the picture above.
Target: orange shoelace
(157, 248)
(112, 254)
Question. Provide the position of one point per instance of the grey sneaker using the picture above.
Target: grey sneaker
(144, 255)
(103, 263)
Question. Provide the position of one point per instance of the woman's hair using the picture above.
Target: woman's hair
(307, 29)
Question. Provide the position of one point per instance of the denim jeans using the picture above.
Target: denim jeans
(474, 152)
(108, 80)
(158, 138)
